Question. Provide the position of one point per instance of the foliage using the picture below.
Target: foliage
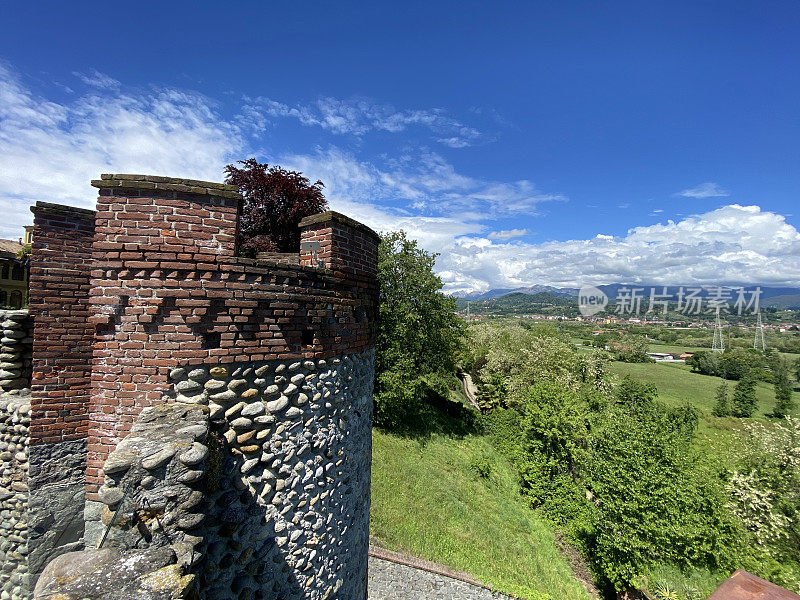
(635, 394)
(705, 362)
(631, 348)
(24, 253)
(482, 466)
(722, 401)
(418, 332)
(784, 403)
(731, 364)
(275, 201)
(653, 504)
(744, 402)
(399, 395)
(428, 501)
(608, 463)
(765, 495)
(509, 358)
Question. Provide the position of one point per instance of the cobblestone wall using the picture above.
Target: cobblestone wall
(14, 421)
(16, 345)
(270, 498)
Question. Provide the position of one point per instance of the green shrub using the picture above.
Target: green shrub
(722, 401)
(482, 466)
(784, 403)
(744, 402)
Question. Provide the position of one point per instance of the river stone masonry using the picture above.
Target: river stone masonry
(16, 346)
(14, 422)
(256, 474)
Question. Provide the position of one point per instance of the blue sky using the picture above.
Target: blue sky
(555, 143)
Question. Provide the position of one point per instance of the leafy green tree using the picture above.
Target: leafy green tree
(744, 396)
(722, 401)
(705, 362)
(737, 363)
(784, 403)
(631, 348)
(636, 394)
(418, 331)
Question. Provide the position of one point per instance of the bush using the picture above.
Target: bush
(744, 401)
(398, 399)
(482, 467)
(722, 402)
(784, 403)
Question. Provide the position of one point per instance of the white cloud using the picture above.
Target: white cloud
(507, 234)
(50, 151)
(704, 190)
(98, 80)
(360, 116)
(733, 244)
(426, 182)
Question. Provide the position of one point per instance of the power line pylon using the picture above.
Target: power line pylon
(760, 342)
(718, 344)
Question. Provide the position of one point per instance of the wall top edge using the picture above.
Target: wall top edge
(336, 217)
(174, 184)
(49, 207)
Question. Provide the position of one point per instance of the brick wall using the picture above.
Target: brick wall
(347, 247)
(167, 290)
(63, 338)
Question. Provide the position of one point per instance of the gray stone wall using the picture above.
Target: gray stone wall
(16, 346)
(261, 484)
(14, 421)
(56, 499)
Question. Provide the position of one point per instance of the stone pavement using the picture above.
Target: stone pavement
(397, 577)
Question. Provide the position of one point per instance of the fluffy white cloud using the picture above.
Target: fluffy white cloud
(425, 183)
(50, 151)
(360, 116)
(733, 244)
(704, 190)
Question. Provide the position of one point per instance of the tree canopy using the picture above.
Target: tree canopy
(275, 201)
(418, 330)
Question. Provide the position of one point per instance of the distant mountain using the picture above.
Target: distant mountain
(534, 289)
(612, 291)
(496, 293)
(521, 303)
(784, 301)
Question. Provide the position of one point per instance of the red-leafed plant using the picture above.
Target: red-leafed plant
(275, 201)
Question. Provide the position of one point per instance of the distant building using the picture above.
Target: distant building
(13, 274)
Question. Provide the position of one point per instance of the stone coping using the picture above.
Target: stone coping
(173, 184)
(62, 208)
(336, 217)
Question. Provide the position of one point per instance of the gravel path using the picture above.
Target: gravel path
(393, 580)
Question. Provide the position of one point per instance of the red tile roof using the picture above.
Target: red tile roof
(10, 246)
(746, 586)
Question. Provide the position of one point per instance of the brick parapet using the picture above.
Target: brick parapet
(63, 338)
(346, 246)
(167, 290)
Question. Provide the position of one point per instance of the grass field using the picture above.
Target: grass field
(678, 385)
(428, 500)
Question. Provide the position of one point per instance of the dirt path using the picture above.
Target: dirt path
(470, 390)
